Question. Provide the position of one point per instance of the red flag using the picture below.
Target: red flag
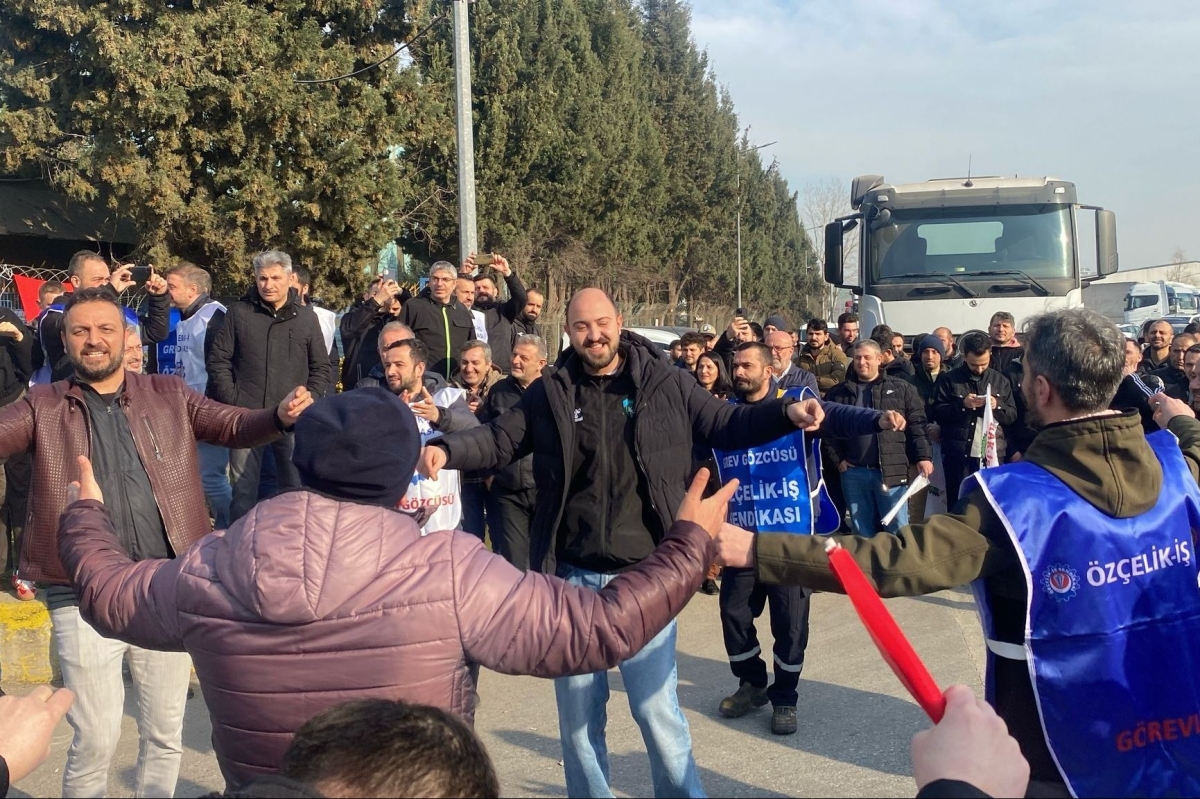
(27, 291)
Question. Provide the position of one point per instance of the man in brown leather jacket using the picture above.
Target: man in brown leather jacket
(140, 430)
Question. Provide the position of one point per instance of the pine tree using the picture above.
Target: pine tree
(191, 119)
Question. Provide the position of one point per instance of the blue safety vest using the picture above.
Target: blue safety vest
(1112, 627)
(165, 349)
(778, 487)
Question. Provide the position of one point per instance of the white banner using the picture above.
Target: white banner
(442, 496)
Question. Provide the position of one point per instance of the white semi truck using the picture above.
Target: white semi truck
(1159, 299)
(952, 252)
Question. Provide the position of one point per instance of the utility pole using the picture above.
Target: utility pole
(739, 218)
(468, 236)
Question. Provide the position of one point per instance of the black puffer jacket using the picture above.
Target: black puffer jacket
(958, 423)
(443, 329)
(670, 409)
(260, 354)
(897, 449)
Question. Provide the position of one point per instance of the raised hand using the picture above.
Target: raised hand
(86, 486)
(122, 278)
(433, 460)
(9, 330)
(708, 513)
(971, 744)
(156, 284)
(424, 407)
(294, 404)
(806, 414)
(26, 726)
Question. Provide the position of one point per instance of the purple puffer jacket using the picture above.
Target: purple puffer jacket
(308, 602)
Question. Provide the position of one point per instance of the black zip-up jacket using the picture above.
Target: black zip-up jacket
(958, 423)
(155, 324)
(1133, 394)
(668, 408)
(518, 475)
(1004, 357)
(523, 325)
(260, 354)
(16, 358)
(443, 329)
(499, 319)
(897, 449)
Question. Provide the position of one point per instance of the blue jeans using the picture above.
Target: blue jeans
(869, 501)
(214, 476)
(650, 683)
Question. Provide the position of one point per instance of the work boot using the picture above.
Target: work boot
(783, 720)
(743, 701)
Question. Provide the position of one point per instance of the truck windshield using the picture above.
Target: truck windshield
(1030, 239)
(1135, 301)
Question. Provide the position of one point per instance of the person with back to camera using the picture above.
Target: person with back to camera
(335, 588)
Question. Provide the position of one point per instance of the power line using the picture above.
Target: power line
(404, 46)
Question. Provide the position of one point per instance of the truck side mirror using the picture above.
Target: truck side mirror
(833, 253)
(1106, 243)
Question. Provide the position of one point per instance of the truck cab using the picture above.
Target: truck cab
(951, 252)
(1160, 299)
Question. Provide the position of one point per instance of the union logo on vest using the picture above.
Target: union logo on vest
(1061, 582)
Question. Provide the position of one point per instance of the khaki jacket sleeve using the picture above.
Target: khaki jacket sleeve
(945, 552)
(1187, 430)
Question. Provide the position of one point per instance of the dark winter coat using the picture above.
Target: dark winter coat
(957, 422)
(670, 408)
(16, 359)
(518, 475)
(897, 449)
(443, 329)
(260, 354)
(499, 319)
(360, 328)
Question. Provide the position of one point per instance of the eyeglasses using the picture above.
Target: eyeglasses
(781, 349)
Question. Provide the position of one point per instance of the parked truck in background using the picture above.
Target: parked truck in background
(1158, 300)
(951, 252)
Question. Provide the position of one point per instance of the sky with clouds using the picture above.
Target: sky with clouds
(1100, 93)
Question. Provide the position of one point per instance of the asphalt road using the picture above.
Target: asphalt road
(856, 721)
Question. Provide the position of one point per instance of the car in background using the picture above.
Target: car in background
(1130, 331)
(1178, 323)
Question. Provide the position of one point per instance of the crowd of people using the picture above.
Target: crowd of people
(354, 498)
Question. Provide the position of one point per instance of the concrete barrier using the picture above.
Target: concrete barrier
(25, 650)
